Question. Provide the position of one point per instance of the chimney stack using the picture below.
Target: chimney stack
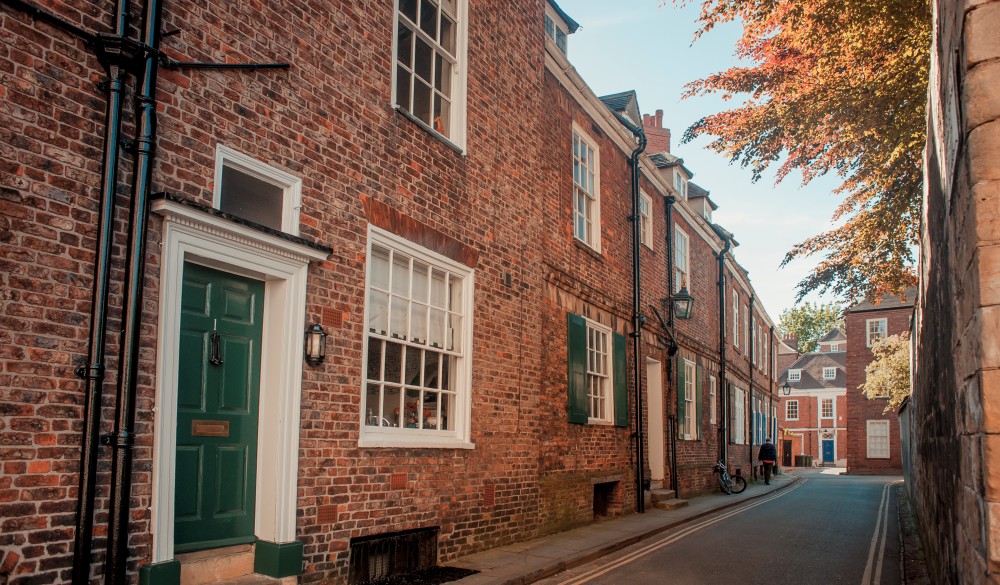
(656, 134)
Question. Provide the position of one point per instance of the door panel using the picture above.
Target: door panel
(217, 409)
(827, 451)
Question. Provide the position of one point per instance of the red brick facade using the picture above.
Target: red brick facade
(860, 409)
(503, 207)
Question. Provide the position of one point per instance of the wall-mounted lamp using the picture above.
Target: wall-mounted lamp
(681, 303)
(786, 389)
(315, 344)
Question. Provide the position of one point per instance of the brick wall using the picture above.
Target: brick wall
(859, 408)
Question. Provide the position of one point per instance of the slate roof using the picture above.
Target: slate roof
(812, 365)
(834, 334)
(888, 302)
(697, 192)
(626, 103)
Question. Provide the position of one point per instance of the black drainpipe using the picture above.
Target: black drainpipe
(672, 437)
(637, 318)
(92, 371)
(750, 395)
(724, 427)
(121, 463)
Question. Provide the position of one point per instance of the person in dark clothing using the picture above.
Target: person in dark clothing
(768, 455)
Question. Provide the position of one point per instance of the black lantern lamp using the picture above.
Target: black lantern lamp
(786, 389)
(681, 303)
(315, 344)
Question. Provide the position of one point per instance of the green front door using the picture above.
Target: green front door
(217, 406)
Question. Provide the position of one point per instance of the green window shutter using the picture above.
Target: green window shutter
(620, 365)
(681, 406)
(576, 381)
(699, 380)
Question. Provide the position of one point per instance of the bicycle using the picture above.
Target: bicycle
(730, 484)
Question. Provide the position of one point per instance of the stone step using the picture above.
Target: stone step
(231, 565)
(670, 504)
(661, 495)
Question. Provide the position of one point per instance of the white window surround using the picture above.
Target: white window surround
(460, 435)
(794, 375)
(826, 409)
(792, 410)
(736, 319)
(682, 260)
(600, 374)
(877, 439)
(456, 134)
(834, 347)
(739, 434)
(829, 373)
(555, 29)
(646, 219)
(680, 184)
(289, 183)
(875, 329)
(190, 235)
(589, 231)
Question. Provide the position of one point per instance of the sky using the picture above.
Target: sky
(646, 45)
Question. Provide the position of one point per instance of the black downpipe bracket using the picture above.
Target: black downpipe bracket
(121, 462)
(674, 482)
(637, 318)
(724, 427)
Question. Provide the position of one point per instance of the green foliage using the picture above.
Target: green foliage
(889, 374)
(809, 322)
(832, 86)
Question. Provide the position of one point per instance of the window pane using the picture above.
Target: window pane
(403, 82)
(400, 274)
(378, 312)
(422, 101)
(447, 34)
(455, 333)
(429, 18)
(422, 60)
(421, 282)
(442, 75)
(436, 333)
(432, 363)
(442, 114)
(411, 375)
(409, 8)
(372, 414)
(455, 287)
(393, 362)
(397, 318)
(250, 198)
(418, 323)
(404, 45)
(375, 359)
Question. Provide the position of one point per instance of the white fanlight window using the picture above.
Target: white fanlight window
(255, 191)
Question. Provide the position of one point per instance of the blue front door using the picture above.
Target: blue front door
(827, 451)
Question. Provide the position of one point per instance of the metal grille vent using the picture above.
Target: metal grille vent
(377, 558)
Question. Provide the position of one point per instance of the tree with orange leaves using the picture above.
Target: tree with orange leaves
(832, 86)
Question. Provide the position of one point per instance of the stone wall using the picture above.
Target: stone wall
(954, 479)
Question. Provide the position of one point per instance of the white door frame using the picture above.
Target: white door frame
(656, 437)
(191, 235)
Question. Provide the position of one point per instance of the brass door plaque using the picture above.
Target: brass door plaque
(210, 428)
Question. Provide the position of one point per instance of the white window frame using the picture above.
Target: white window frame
(291, 185)
(457, 133)
(600, 374)
(682, 275)
(736, 319)
(794, 375)
(680, 184)
(646, 220)
(713, 401)
(688, 425)
(829, 373)
(746, 330)
(739, 417)
(881, 330)
(791, 408)
(461, 372)
(592, 236)
(834, 347)
(556, 30)
(827, 408)
(877, 441)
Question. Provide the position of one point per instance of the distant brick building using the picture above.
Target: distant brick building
(872, 435)
(812, 418)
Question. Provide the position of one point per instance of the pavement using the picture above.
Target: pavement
(530, 561)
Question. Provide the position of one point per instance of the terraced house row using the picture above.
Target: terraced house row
(333, 291)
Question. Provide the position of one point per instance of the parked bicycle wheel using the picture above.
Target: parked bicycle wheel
(739, 484)
(725, 485)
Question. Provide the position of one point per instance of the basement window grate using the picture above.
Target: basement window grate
(378, 558)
